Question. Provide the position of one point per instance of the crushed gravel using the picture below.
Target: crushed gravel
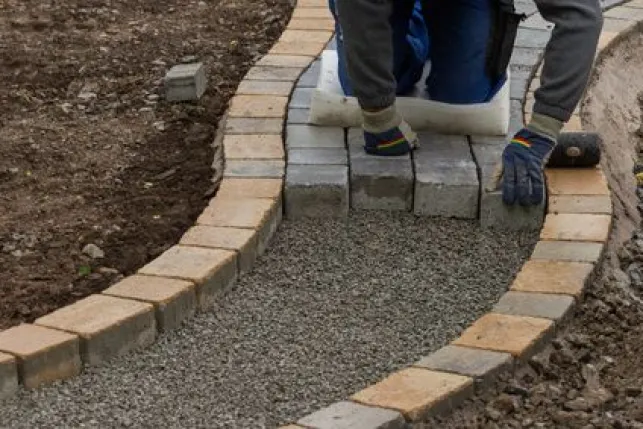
(329, 309)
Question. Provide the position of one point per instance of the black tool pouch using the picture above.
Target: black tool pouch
(504, 28)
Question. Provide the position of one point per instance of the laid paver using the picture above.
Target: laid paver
(253, 146)
(292, 35)
(536, 21)
(280, 60)
(525, 56)
(310, 77)
(570, 251)
(532, 38)
(311, 13)
(317, 191)
(213, 271)
(518, 87)
(8, 375)
(43, 355)
(263, 169)
(311, 136)
(298, 116)
(312, 24)
(590, 204)
(555, 277)
(546, 306)
(257, 106)
(308, 49)
(317, 156)
(350, 415)
(273, 73)
(417, 393)
(249, 188)
(243, 241)
(518, 335)
(253, 126)
(185, 82)
(446, 178)
(264, 87)
(174, 300)
(107, 326)
(301, 98)
(625, 12)
(576, 227)
(378, 183)
(576, 181)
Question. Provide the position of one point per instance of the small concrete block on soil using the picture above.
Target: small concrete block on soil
(257, 106)
(378, 183)
(311, 136)
(317, 191)
(298, 116)
(173, 300)
(262, 169)
(43, 355)
(590, 204)
(417, 393)
(301, 98)
(483, 365)
(576, 181)
(8, 375)
(250, 188)
(576, 227)
(185, 82)
(517, 335)
(446, 178)
(212, 270)
(311, 76)
(107, 326)
(546, 306)
(571, 251)
(349, 415)
(317, 156)
(243, 241)
(253, 126)
(553, 277)
(624, 12)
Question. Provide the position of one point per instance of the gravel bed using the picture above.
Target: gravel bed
(329, 309)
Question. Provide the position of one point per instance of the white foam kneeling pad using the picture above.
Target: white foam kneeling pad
(331, 107)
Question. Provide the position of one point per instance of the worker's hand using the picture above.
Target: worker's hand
(523, 161)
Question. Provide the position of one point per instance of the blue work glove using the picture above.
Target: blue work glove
(523, 162)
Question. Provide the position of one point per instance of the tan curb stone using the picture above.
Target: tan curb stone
(545, 306)
(263, 87)
(173, 300)
(312, 3)
(253, 146)
(255, 169)
(280, 74)
(576, 227)
(589, 204)
(553, 277)
(483, 365)
(322, 24)
(292, 427)
(237, 213)
(257, 106)
(305, 36)
(8, 375)
(279, 60)
(242, 241)
(212, 270)
(517, 335)
(417, 393)
(308, 49)
(624, 12)
(573, 125)
(43, 355)
(107, 326)
(570, 251)
(579, 181)
(311, 13)
(254, 126)
(604, 39)
(250, 188)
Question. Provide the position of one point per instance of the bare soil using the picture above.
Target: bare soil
(592, 375)
(90, 153)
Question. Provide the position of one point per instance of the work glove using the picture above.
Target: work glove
(523, 162)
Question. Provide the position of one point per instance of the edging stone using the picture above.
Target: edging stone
(8, 375)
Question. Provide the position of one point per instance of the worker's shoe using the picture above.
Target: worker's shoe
(387, 134)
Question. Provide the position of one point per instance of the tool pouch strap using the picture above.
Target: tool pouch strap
(505, 23)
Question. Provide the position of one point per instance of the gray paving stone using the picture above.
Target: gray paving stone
(532, 38)
(516, 118)
(518, 88)
(493, 212)
(537, 22)
(185, 82)
(548, 306)
(253, 126)
(310, 77)
(527, 7)
(8, 375)
(311, 136)
(568, 251)
(526, 56)
(483, 365)
(273, 73)
(446, 178)
(317, 156)
(316, 191)
(350, 415)
(301, 98)
(332, 44)
(629, 13)
(263, 169)
(298, 116)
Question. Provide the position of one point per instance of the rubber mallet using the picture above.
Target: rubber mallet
(576, 149)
